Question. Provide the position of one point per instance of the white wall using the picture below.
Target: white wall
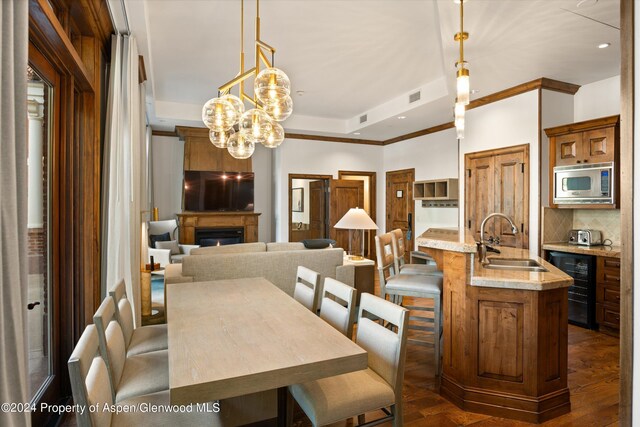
(262, 163)
(557, 109)
(167, 171)
(321, 158)
(513, 121)
(433, 156)
(303, 216)
(598, 99)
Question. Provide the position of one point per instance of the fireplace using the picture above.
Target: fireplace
(219, 236)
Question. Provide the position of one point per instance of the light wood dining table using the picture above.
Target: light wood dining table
(234, 337)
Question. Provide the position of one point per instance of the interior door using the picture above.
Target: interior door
(343, 195)
(510, 172)
(479, 194)
(317, 210)
(400, 205)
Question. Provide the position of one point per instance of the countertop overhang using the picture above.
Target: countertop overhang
(462, 241)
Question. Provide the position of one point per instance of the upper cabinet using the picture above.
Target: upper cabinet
(201, 155)
(588, 142)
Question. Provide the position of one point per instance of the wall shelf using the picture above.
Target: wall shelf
(436, 190)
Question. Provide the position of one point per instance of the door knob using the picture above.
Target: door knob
(32, 305)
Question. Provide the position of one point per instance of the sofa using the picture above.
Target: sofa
(277, 262)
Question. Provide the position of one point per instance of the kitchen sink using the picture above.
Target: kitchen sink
(514, 264)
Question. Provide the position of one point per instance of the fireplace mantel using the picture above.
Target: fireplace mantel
(189, 221)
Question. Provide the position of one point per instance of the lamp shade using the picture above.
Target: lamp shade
(356, 219)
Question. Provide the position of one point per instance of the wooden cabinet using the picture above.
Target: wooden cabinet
(608, 295)
(201, 155)
(592, 141)
(498, 181)
(436, 189)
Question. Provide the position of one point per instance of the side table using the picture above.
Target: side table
(364, 276)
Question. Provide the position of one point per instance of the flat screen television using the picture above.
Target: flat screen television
(209, 191)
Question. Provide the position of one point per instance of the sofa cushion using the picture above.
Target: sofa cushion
(172, 245)
(227, 249)
(285, 246)
(153, 238)
(318, 243)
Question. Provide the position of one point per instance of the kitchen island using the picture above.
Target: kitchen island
(504, 332)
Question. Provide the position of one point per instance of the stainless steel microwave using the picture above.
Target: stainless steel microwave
(583, 184)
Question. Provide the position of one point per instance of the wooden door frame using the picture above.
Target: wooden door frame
(372, 202)
(627, 88)
(293, 176)
(412, 204)
(526, 148)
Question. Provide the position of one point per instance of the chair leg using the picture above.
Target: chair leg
(361, 419)
(290, 404)
(437, 318)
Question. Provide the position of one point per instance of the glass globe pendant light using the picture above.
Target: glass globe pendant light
(237, 104)
(271, 84)
(240, 147)
(255, 125)
(279, 109)
(219, 115)
(220, 139)
(275, 137)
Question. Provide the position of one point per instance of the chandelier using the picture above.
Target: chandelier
(237, 130)
(462, 77)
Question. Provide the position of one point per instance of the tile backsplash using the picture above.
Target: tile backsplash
(605, 220)
(558, 222)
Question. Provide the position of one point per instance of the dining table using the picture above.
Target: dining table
(235, 337)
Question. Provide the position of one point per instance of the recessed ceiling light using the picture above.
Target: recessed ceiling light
(299, 92)
(402, 117)
(356, 133)
(586, 3)
(603, 45)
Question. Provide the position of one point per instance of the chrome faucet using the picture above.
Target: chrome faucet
(482, 247)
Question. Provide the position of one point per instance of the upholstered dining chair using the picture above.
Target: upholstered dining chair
(399, 285)
(143, 339)
(91, 385)
(134, 375)
(163, 243)
(307, 290)
(399, 250)
(337, 398)
(332, 311)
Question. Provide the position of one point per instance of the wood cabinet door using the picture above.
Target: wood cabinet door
(569, 149)
(343, 195)
(479, 200)
(598, 145)
(511, 197)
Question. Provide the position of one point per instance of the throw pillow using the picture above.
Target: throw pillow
(153, 238)
(171, 244)
(318, 243)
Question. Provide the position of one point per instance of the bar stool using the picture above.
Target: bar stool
(399, 285)
(399, 250)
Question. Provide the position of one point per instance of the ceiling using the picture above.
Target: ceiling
(356, 57)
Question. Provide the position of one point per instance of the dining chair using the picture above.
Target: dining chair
(341, 397)
(143, 339)
(399, 285)
(333, 311)
(399, 250)
(130, 375)
(307, 290)
(91, 386)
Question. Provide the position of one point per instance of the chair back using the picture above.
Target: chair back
(165, 226)
(307, 290)
(111, 341)
(385, 258)
(386, 349)
(334, 312)
(398, 248)
(90, 383)
(124, 311)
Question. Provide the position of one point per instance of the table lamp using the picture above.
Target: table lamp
(356, 219)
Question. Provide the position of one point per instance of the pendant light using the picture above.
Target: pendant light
(462, 77)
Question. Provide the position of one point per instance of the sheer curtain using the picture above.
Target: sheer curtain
(123, 165)
(13, 209)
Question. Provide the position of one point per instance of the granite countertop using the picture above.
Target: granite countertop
(462, 241)
(606, 251)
